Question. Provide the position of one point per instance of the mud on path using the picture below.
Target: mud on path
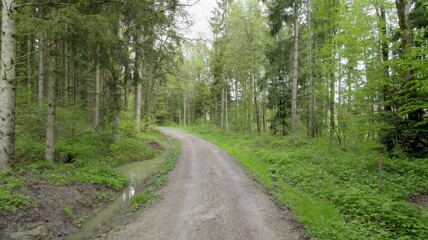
(209, 197)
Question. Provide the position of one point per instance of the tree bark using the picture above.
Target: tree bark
(312, 112)
(7, 85)
(41, 80)
(184, 109)
(222, 109)
(29, 72)
(50, 130)
(226, 112)
(255, 96)
(295, 73)
(97, 95)
(138, 97)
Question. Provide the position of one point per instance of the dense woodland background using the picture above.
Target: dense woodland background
(345, 72)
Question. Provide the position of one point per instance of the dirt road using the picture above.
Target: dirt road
(210, 197)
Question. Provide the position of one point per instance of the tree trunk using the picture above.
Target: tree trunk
(226, 112)
(403, 7)
(184, 109)
(295, 73)
(29, 72)
(138, 97)
(66, 75)
(222, 109)
(50, 130)
(237, 103)
(255, 96)
(149, 97)
(312, 113)
(97, 96)
(7, 85)
(41, 80)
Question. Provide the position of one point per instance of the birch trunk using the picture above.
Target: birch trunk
(7, 85)
(295, 73)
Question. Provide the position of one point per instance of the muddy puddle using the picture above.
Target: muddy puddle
(137, 173)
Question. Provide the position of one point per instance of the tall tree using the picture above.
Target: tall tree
(7, 84)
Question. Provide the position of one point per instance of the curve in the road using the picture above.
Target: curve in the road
(210, 197)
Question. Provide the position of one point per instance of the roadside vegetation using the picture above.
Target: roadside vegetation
(83, 155)
(334, 190)
(159, 179)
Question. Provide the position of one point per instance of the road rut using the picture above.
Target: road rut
(210, 197)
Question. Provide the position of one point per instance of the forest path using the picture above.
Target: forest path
(210, 197)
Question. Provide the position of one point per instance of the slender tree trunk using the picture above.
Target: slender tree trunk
(97, 95)
(41, 80)
(184, 109)
(126, 85)
(385, 58)
(226, 112)
(150, 88)
(29, 72)
(332, 103)
(50, 130)
(66, 75)
(255, 96)
(237, 103)
(138, 97)
(7, 85)
(295, 73)
(312, 113)
(114, 88)
(222, 109)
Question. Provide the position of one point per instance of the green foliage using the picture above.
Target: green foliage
(68, 210)
(82, 155)
(10, 197)
(332, 190)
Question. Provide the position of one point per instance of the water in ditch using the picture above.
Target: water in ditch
(137, 173)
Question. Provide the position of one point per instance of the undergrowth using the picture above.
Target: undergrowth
(83, 154)
(334, 190)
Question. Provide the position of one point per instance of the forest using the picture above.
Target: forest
(324, 102)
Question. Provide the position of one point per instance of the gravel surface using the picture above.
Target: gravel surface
(210, 197)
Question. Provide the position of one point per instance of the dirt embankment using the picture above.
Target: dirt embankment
(58, 211)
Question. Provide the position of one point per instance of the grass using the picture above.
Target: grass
(159, 179)
(333, 191)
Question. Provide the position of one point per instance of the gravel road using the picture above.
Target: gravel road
(210, 197)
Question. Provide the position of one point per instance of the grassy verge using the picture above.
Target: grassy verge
(333, 191)
(83, 155)
(159, 180)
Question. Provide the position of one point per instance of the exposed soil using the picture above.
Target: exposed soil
(421, 200)
(59, 210)
(155, 145)
(209, 196)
